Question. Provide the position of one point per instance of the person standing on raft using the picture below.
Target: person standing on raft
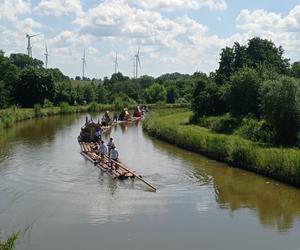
(114, 155)
(110, 144)
(102, 150)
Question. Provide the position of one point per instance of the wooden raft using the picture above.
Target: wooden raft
(89, 151)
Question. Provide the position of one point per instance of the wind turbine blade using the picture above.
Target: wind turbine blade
(36, 35)
(139, 62)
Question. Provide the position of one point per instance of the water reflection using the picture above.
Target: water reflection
(276, 204)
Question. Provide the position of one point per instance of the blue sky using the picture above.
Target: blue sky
(174, 35)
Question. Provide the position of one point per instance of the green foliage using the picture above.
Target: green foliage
(254, 130)
(9, 243)
(65, 108)
(94, 107)
(123, 101)
(34, 86)
(208, 98)
(22, 61)
(280, 107)
(244, 92)
(6, 120)
(155, 93)
(258, 52)
(295, 70)
(278, 163)
(172, 93)
(47, 104)
(224, 124)
(38, 110)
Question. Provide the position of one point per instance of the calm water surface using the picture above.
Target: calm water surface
(58, 200)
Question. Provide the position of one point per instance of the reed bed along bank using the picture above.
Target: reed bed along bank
(8, 117)
(282, 164)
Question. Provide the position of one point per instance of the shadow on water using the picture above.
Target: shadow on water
(276, 204)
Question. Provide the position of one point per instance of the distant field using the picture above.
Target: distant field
(83, 82)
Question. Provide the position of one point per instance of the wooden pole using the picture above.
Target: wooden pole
(141, 179)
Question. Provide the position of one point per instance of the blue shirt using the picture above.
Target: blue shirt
(114, 154)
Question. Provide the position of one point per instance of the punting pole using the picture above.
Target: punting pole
(141, 179)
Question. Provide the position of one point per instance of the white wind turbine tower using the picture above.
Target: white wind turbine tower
(116, 63)
(83, 63)
(46, 55)
(29, 47)
(137, 62)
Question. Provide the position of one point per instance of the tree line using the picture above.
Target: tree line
(255, 92)
(25, 82)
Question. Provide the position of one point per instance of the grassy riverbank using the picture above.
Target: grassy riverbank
(279, 163)
(8, 117)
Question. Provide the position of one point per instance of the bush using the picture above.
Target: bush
(6, 120)
(94, 107)
(37, 110)
(65, 108)
(47, 104)
(280, 105)
(225, 124)
(254, 130)
(9, 243)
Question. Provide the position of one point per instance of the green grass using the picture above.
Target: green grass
(8, 117)
(9, 243)
(282, 164)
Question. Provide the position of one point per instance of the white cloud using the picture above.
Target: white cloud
(282, 30)
(171, 5)
(10, 8)
(182, 42)
(59, 7)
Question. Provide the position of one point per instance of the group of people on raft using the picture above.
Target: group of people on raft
(110, 150)
(106, 119)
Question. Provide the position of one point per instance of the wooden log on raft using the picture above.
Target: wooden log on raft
(137, 176)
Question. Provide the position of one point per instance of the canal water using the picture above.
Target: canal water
(59, 200)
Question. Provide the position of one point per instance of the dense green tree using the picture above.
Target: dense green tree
(295, 70)
(22, 61)
(172, 93)
(263, 51)
(208, 98)
(155, 93)
(244, 92)
(280, 105)
(9, 75)
(226, 65)
(34, 86)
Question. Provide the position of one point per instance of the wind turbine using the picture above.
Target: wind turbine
(116, 63)
(46, 55)
(29, 47)
(83, 64)
(137, 62)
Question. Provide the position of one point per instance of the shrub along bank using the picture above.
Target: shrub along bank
(279, 163)
(10, 116)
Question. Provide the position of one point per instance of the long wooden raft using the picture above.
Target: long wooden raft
(89, 151)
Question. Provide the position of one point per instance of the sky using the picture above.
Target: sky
(173, 35)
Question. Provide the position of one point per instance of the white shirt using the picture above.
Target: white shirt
(110, 144)
(103, 149)
(114, 154)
